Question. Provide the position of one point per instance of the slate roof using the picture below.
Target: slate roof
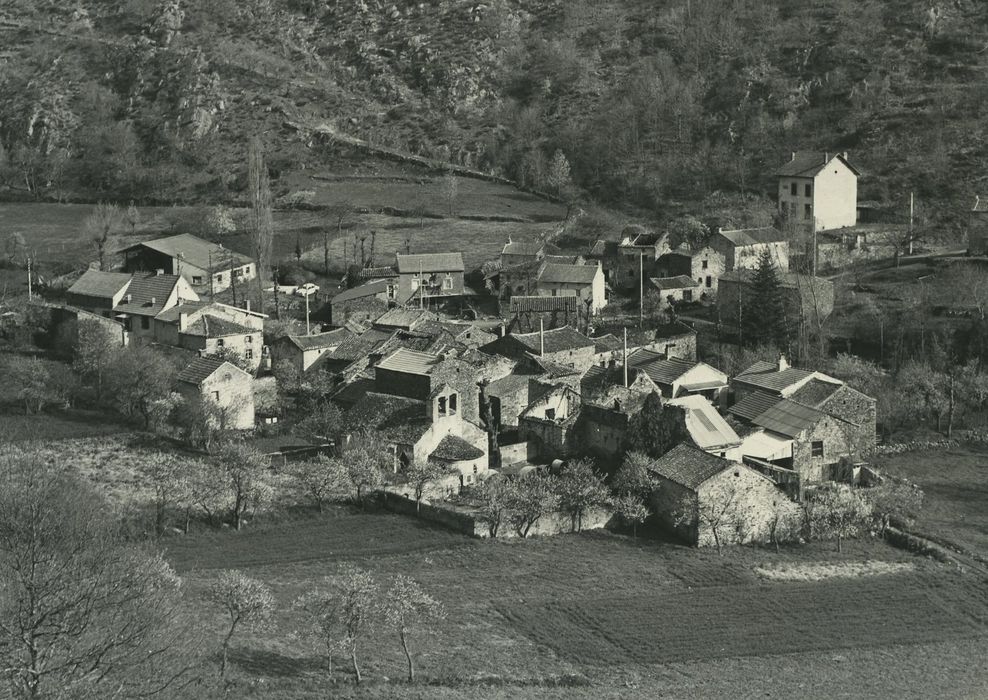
(320, 340)
(753, 236)
(372, 273)
(195, 251)
(365, 290)
(142, 290)
(814, 392)
(788, 418)
(688, 466)
(753, 405)
(429, 262)
(210, 326)
(667, 371)
(775, 381)
(505, 386)
(568, 274)
(810, 163)
(529, 247)
(357, 346)
(607, 343)
(542, 304)
(706, 426)
(556, 340)
(455, 449)
(95, 283)
(677, 282)
(409, 361)
(642, 356)
(395, 418)
(403, 318)
(202, 368)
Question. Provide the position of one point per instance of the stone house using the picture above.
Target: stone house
(698, 493)
(676, 377)
(743, 248)
(65, 322)
(977, 228)
(607, 410)
(807, 299)
(302, 351)
(208, 267)
(520, 252)
(705, 265)
(675, 290)
(549, 422)
(563, 346)
(819, 189)
(418, 375)
(429, 276)
(222, 384)
(585, 282)
(529, 314)
(208, 328)
(134, 300)
(364, 303)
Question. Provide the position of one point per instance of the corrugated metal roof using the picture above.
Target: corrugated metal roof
(706, 426)
(677, 282)
(409, 361)
(753, 405)
(95, 283)
(788, 418)
(689, 466)
(429, 262)
(568, 274)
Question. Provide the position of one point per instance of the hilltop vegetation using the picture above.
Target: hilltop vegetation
(655, 105)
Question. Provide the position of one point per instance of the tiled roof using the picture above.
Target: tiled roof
(409, 361)
(148, 294)
(760, 367)
(556, 340)
(689, 466)
(202, 368)
(607, 343)
(706, 426)
(357, 346)
(809, 163)
(352, 392)
(541, 304)
(775, 381)
(210, 326)
(170, 315)
(455, 449)
(403, 318)
(568, 274)
(365, 290)
(604, 249)
(677, 282)
(505, 386)
(788, 418)
(196, 252)
(95, 283)
(563, 259)
(753, 236)
(815, 392)
(429, 262)
(373, 273)
(530, 247)
(667, 371)
(320, 341)
(753, 405)
(642, 357)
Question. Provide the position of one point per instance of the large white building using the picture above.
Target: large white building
(820, 188)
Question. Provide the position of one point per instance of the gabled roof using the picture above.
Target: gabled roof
(148, 294)
(543, 304)
(320, 341)
(607, 343)
(429, 262)
(788, 418)
(752, 236)
(365, 290)
(706, 426)
(815, 392)
(667, 371)
(568, 274)
(753, 405)
(171, 314)
(195, 251)
(810, 163)
(554, 369)
(95, 283)
(403, 318)
(532, 247)
(604, 249)
(356, 347)
(643, 356)
(677, 282)
(775, 381)
(393, 418)
(556, 340)
(210, 326)
(689, 466)
(201, 368)
(455, 449)
(409, 362)
(372, 273)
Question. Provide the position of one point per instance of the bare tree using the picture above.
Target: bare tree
(100, 225)
(247, 602)
(83, 614)
(494, 498)
(260, 224)
(632, 477)
(632, 511)
(579, 488)
(247, 484)
(450, 192)
(341, 212)
(405, 603)
(95, 346)
(167, 477)
(716, 511)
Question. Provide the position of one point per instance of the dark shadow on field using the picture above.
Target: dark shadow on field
(274, 664)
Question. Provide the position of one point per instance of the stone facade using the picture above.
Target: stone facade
(229, 388)
(704, 265)
(364, 309)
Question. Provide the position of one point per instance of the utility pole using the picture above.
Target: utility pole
(911, 212)
(308, 329)
(814, 246)
(211, 291)
(421, 288)
(625, 357)
(30, 289)
(541, 336)
(641, 289)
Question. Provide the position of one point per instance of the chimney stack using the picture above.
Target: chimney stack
(248, 304)
(792, 156)
(183, 321)
(159, 272)
(783, 364)
(153, 301)
(128, 298)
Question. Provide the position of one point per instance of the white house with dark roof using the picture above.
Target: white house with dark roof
(676, 377)
(302, 351)
(742, 248)
(586, 282)
(226, 387)
(210, 328)
(819, 188)
(208, 267)
(675, 290)
(428, 276)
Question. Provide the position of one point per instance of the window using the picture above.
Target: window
(475, 469)
(448, 282)
(392, 291)
(196, 279)
(703, 265)
(808, 211)
(809, 190)
(219, 279)
(816, 448)
(145, 322)
(792, 189)
(687, 295)
(249, 354)
(215, 395)
(415, 283)
(248, 339)
(238, 272)
(554, 292)
(550, 414)
(220, 343)
(452, 404)
(710, 282)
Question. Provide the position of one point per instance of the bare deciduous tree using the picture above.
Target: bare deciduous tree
(100, 225)
(260, 224)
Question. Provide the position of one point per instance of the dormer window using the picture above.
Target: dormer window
(452, 404)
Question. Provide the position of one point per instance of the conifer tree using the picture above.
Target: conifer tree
(764, 314)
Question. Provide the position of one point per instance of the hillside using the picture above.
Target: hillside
(655, 105)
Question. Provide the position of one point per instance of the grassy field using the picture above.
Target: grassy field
(955, 484)
(597, 615)
(16, 427)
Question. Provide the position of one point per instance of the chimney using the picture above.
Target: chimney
(128, 298)
(153, 301)
(826, 157)
(792, 157)
(844, 155)
(783, 365)
(183, 320)
(248, 304)
(159, 272)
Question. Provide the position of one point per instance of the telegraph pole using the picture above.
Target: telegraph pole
(625, 357)
(911, 212)
(30, 290)
(641, 289)
(308, 330)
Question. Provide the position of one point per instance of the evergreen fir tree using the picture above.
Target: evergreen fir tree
(764, 313)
